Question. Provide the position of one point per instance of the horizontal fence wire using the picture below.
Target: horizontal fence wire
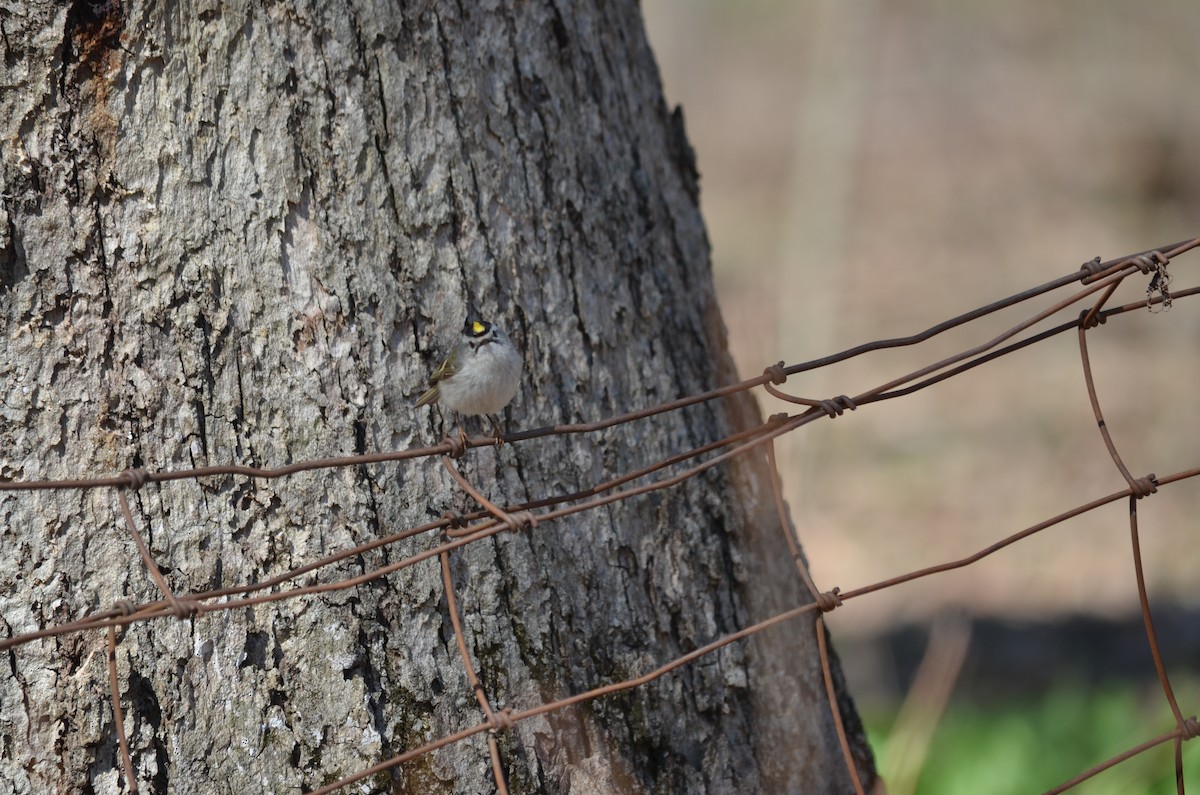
(1096, 280)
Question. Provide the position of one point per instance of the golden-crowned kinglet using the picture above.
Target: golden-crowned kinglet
(480, 376)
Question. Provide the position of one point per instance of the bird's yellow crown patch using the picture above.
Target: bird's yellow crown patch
(478, 328)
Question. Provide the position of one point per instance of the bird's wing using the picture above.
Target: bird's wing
(443, 372)
(446, 369)
(430, 396)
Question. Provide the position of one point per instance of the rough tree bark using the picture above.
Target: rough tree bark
(241, 232)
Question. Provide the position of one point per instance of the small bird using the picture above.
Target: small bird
(480, 376)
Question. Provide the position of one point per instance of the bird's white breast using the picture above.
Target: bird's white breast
(487, 381)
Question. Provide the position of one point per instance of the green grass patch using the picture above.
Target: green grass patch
(1028, 745)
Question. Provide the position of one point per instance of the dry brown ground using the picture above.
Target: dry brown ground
(872, 168)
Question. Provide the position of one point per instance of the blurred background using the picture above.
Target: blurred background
(870, 169)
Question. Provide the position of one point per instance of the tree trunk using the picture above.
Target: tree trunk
(242, 235)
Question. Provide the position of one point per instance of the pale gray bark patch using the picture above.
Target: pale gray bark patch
(233, 233)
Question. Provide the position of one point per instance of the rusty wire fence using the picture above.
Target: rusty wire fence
(1098, 280)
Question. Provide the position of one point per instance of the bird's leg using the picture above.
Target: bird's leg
(496, 433)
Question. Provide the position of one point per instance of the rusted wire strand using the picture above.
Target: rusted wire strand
(825, 601)
(1139, 488)
(1147, 619)
(177, 607)
(835, 707)
(554, 706)
(1172, 250)
(1023, 343)
(1007, 541)
(1114, 761)
(1089, 318)
(973, 356)
(114, 689)
(514, 523)
(995, 341)
(1090, 383)
(472, 678)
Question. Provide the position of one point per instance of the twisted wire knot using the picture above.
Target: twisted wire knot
(835, 406)
(519, 521)
(1190, 727)
(828, 601)
(1149, 262)
(456, 520)
(1097, 319)
(1092, 266)
(184, 607)
(1144, 487)
(775, 371)
(457, 445)
(135, 478)
(502, 720)
(124, 607)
